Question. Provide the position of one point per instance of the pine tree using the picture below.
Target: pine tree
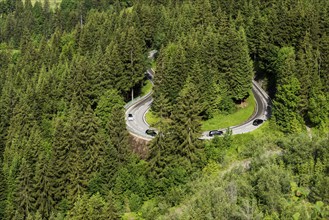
(186, 122)
(43, 200)
(3, 189)
(235, 64)
(171, 74)
(77, 177)
(8, 100)
(86, 149)
(111, 115)
(324, 62)
(59, 165)
(118, 134)
(24, 194)
(91, 141)
(132, 54)
(113, 68)
(78, 81)
(109, 101)
(307, 72)
(203, 13)
(288, 88)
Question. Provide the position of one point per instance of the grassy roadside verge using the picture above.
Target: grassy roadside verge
(223, 121)
(146, 88)
(218, 121)
(151, 118)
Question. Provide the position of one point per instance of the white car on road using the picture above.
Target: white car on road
(130, 117)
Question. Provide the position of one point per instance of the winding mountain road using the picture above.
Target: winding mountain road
(139, 107)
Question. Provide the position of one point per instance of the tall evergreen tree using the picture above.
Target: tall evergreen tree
(171, 74)
(235, 64)
(288, 87)
(307, 73)
(79, 81)
(323, 62)
(43, 200)
(3, 188)
(24, 194)
(132, 54)
(59, 166)
(109, 70)
(186, 122)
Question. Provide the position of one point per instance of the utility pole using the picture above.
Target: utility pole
(132, 94)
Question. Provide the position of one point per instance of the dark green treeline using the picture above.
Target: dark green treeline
(66, 72)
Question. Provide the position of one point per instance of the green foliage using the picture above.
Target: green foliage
(109, 102)
(287, 95)
(94, 207)
(222, 120)
(65, 73)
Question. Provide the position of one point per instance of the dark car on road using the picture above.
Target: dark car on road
(257, 122)
(151, 132)
(215, 132)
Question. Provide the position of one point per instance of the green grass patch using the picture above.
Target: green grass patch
(220, 121)
(151, 118)
(52, 3)
(146, 88)
(154, 65)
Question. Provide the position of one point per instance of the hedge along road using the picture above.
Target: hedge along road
(139, 107)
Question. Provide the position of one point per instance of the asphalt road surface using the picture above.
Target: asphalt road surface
(139, 107)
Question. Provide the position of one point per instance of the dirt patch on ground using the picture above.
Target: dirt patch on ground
(139, 146)
(243, 104)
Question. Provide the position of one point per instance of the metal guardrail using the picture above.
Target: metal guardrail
(136, 101)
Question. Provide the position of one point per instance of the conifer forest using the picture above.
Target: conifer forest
(69, 67)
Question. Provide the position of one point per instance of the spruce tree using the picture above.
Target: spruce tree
(24, 195)
(43, 199)
(77, 177)
(171, 74)
(113, 72)
(117, 152)
(109, 101)
(160, 157)
(236, 64)
(8, 100)
(3, 189)
(118, 134)
(288, 87)
(59, 165)
(307, 73)
(324, 62)
(86, 149)
(132, 54)
(79, 81)
(203, 13)
(92, 142)
(186, 122)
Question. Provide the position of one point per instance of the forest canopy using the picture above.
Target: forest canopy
(67, 70)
